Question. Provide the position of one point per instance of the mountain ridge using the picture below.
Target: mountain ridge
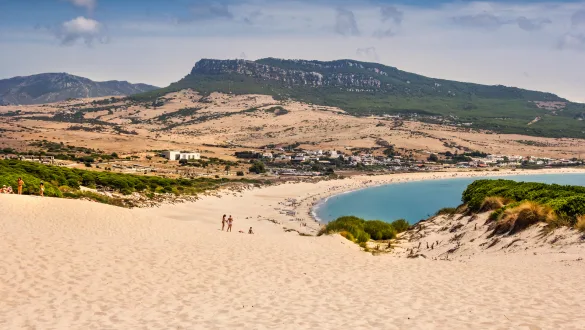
(365, 88)
(60, 86)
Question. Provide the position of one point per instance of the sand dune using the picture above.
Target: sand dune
(79, 265)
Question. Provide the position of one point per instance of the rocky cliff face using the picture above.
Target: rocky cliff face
(355, 76)
(55, 87)
(303, 76)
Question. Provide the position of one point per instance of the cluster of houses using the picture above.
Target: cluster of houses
(50, 160)
(513, 161)
(396, 162)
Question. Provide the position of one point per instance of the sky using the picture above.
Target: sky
(535, 44)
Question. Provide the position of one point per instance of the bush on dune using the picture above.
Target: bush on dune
(400, 225)
(71, 179)
(517, 205)
(379, 230)
(348, 224)
(360, 231)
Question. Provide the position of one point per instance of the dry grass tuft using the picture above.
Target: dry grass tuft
(493, 203)
(347, 235)
(580, 225)
(516, 219)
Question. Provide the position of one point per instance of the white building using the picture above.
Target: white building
(177, 155)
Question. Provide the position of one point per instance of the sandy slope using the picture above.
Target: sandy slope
(80, 265)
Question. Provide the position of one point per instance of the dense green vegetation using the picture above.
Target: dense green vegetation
(360, 231)
(63, 151)
(498, 108)
(258, 167)
(65, 182)
(558, 204)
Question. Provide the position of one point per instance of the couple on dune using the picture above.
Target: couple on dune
(229, 222)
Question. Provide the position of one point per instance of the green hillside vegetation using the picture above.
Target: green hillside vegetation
(498, 108)
(66, 182)
(517, 205)
(360, 231)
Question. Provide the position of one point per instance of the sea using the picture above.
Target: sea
(416, 200)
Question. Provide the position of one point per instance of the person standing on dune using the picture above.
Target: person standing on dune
(20, 184)
(230, 221)
(223, 221)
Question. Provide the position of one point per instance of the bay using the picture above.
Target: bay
(417, 200)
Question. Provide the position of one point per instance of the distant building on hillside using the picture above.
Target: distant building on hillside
(178, 155)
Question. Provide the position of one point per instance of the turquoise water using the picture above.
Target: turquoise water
(417, 200)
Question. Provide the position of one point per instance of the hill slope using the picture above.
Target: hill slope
(55, 87)
(373, 89)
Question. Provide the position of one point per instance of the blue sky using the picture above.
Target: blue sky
(531, 44)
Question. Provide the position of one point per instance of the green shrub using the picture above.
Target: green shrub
(70, 180)
(400, 225)
(379, 230)
(350, 224)
(258, 167)
(360, 231)
(446, 211)
(567, 202)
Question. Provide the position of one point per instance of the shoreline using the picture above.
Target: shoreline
(388, 179)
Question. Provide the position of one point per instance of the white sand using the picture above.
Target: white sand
(79, 265)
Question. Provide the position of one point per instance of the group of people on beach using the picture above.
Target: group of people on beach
(230, 221)
(20, 184)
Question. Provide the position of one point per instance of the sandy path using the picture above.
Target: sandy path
(80, 265)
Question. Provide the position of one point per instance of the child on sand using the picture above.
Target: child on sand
(42, 189)
(20, 184)
(230, 220)
(250, 231)
(223, 221)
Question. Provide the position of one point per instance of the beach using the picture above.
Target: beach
(70, 264)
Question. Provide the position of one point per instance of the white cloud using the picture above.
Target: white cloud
(391, 13)
(88, 4)
(483, 21)
(80, 28)
(210, 11)
(345, 23)
(578, 18)
(532, 24)
(368, 53)
(572, 41)
(387, 33)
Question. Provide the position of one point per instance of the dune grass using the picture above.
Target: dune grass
(580, 224)
(493, 203)
(447, 211)
(526, 214)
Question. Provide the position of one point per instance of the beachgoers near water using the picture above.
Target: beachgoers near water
(70, 264)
